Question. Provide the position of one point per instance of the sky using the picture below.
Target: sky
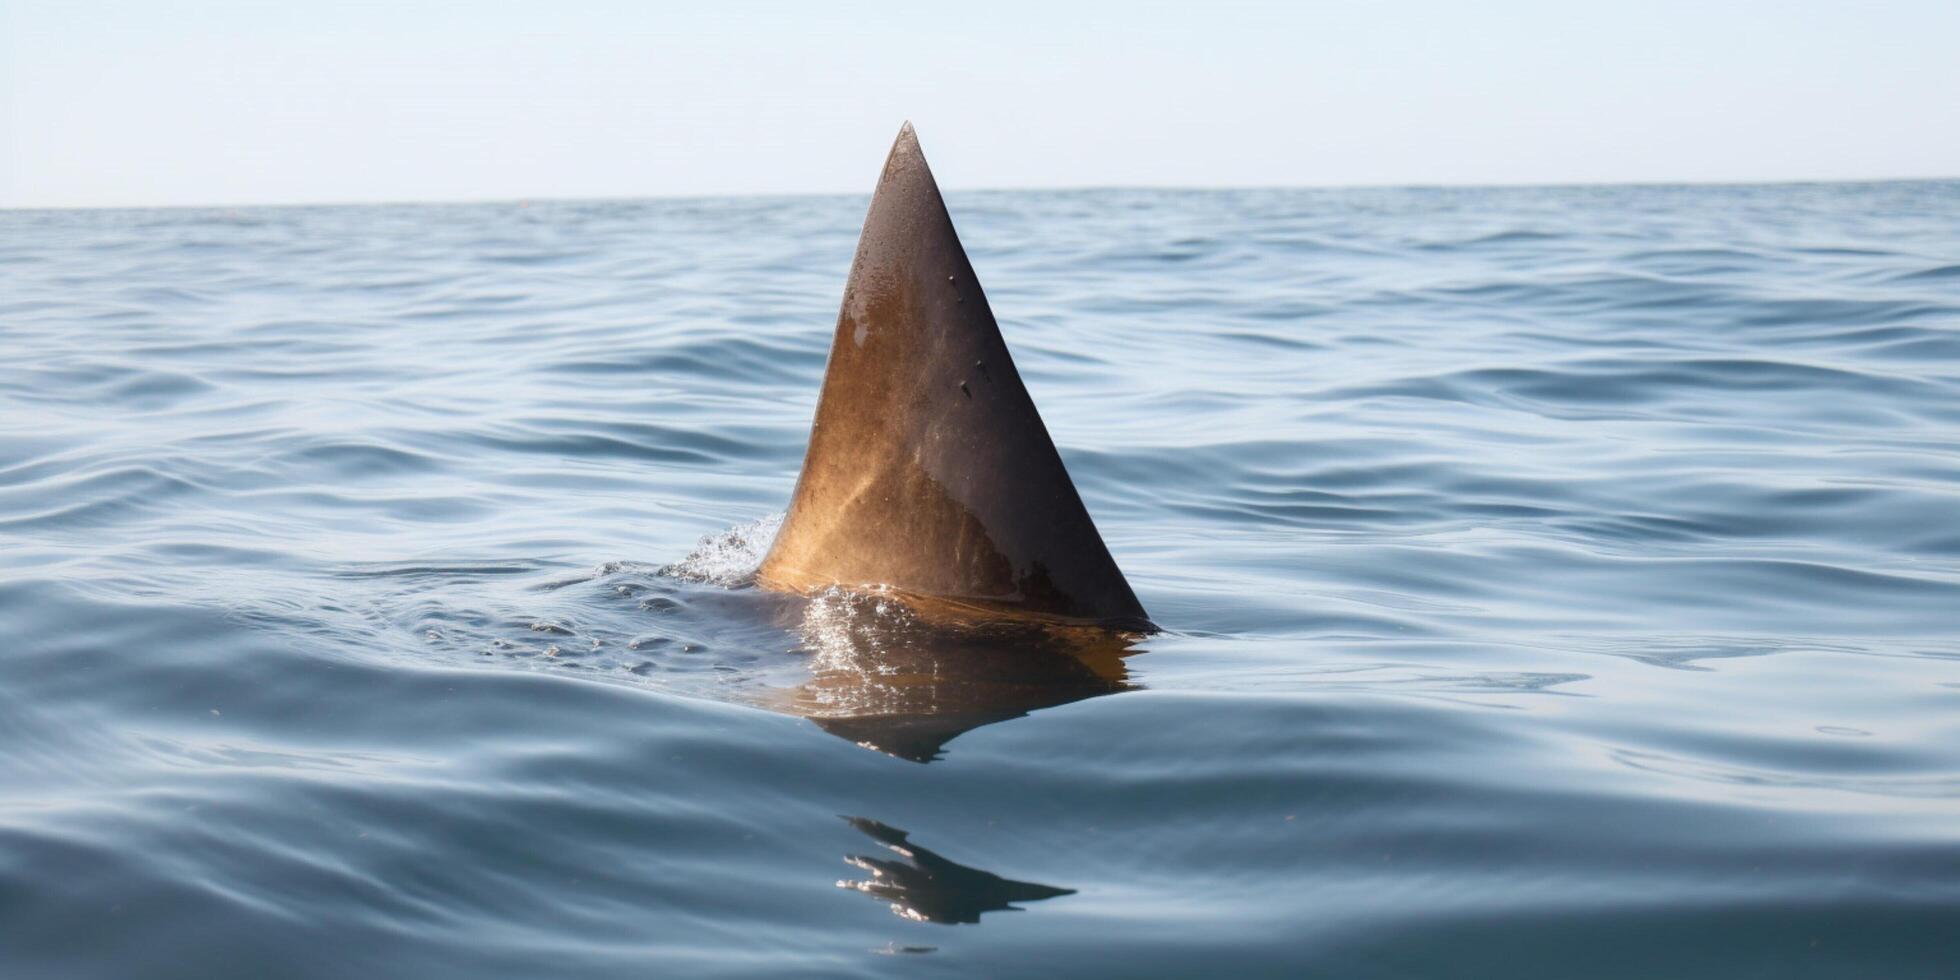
(197, 103)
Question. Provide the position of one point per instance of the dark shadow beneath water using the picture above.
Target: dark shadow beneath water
(886, 680)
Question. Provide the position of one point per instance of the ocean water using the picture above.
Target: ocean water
(1554, 582)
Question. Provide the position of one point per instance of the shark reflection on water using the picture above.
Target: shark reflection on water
(889, 681)
(925, 887)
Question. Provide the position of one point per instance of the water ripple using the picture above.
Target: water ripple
(1555, 581)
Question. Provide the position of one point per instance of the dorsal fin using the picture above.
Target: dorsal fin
(929, 471)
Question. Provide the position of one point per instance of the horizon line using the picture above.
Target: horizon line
(1076, 188)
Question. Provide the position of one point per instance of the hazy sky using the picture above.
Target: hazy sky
(106, 103)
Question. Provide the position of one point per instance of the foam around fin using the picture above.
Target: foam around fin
(929, 471)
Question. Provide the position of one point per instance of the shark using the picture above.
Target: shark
(936, 570)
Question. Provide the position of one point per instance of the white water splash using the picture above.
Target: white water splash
(730, 558)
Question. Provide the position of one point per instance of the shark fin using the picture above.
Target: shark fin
(929, 472)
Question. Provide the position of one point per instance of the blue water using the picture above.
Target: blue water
(1555, 583)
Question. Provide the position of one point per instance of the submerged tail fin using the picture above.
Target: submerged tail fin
(929, 470)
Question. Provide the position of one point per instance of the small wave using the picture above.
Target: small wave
(1514, 236)
(1941, 273)
(1906, 787)
(440, 570)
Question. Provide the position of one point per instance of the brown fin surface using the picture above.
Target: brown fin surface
(929, 471)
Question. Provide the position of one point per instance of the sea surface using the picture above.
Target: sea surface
(1553, 582)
